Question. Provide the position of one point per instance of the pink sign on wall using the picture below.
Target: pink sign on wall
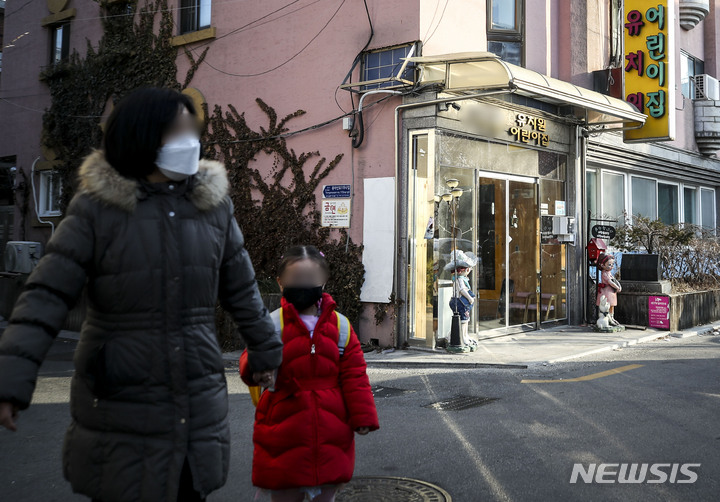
(659, 312)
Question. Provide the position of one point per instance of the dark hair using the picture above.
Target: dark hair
(135, 129)
(298, 253)
(604, 258)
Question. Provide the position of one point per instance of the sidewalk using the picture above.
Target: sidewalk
(527, 349)
(521, 350)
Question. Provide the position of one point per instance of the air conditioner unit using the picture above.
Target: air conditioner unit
(707, 87)
(22, 256)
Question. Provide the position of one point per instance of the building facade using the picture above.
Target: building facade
(515, 107)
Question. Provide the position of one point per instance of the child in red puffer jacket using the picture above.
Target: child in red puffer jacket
(304, 429)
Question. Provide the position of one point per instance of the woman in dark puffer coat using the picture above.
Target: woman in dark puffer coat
(152, 234)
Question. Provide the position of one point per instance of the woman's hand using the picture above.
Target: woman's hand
(362, 430)
(8, 416)
(265, 378)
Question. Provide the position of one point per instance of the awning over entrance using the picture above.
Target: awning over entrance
(476, 71)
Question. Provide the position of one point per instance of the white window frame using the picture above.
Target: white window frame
(683, 216)
(601, 187)
(691, 78)
(203, 15)
(598, 173)
(59, 43)
(47, 182)
(386, 82)
(712, 227)
(630, 201)
(680, 199)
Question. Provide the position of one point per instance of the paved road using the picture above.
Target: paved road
(521, 447)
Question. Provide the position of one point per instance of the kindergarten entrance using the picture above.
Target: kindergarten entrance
(503, 221)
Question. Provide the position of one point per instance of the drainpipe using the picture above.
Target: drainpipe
(400, 255)
(359, 131)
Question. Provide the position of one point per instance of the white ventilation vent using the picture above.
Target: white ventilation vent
(707, 87)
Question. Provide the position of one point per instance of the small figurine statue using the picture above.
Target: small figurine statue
(608, 287)
(463, 298)
(603, 322)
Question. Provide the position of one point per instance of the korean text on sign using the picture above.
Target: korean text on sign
(534, 134)
(648, 66)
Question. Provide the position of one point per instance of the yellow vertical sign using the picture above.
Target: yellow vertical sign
(649, 71)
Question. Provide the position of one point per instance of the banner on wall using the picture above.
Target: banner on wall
(378, 239)
(649, 72)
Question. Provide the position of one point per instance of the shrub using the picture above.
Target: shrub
(689, 255)
(277, 209)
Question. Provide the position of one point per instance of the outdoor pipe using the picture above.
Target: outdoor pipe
(359, 128)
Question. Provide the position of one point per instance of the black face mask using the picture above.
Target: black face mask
(303, 297)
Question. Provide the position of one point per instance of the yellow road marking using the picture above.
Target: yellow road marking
(593, 376)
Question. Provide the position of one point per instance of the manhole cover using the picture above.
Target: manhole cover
(380, 391)
(391, 489)
(460, 403)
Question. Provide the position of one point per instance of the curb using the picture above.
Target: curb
(696, 331)
(607, 348)
(444, 365)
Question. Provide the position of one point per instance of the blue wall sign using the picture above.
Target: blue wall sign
(336, 191)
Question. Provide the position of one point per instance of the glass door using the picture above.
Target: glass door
(507, 277)
(524, 254)
(492, 251)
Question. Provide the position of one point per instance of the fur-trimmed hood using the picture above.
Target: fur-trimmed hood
(101, 181)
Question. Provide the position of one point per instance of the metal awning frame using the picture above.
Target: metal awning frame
(486, 71)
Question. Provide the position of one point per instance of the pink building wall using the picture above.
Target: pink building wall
(309, 81)
(25, 96)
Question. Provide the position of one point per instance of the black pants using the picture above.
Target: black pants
(186, 492)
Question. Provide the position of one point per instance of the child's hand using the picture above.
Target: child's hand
(362, 430)
(265, 378)
(8, 416)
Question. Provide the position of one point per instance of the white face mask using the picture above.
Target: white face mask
(177, 159)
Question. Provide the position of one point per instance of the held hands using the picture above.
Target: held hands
(265, 378)
(8, 416)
